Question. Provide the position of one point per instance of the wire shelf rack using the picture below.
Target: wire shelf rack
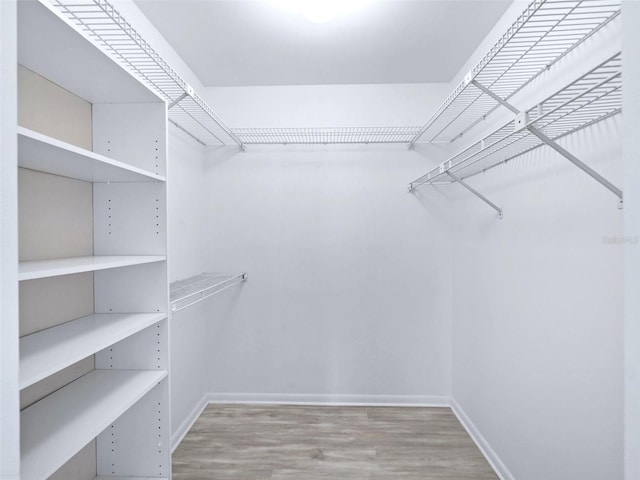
(188, 292)
(543, 34)
(102, 24)
(324, 136)
(593, 97)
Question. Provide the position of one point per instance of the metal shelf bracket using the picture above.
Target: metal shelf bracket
(497, 98)
(521, 122)
(189, 92)
(581, 165)
(476, 193)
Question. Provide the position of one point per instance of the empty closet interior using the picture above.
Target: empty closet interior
(318, 215)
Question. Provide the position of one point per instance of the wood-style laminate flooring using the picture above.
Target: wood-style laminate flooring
(248, 442)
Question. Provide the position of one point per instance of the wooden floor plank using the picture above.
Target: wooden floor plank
(258, 442)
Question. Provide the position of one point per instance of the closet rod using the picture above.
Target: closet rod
(196, 289)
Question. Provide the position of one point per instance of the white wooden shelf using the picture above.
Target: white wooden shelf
(64, 266)
(57, 427)
(49, 351)
(40, 152)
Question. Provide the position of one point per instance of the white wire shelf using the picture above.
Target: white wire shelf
(102, 24)
(188, 292)
(595, 96)
(325, 136)
(545, 32)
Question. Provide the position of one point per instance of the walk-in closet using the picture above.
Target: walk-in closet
(309, 240)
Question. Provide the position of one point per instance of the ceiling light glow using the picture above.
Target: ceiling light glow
(319, 11)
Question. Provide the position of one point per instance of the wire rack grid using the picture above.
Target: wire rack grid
(310, 136)
(593, 97)
(545, 32)
(99, 21)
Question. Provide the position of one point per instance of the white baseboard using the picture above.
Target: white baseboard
(328, 399)
(188, 422)
(492, 457)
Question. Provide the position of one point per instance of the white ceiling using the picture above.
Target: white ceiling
(253, 42)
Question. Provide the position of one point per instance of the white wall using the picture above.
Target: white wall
(187, 244)
(537, 318)
(327, 105)
(343, 301)
(538, 303)
(631, 9)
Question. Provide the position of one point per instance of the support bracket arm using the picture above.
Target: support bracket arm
(476, 193)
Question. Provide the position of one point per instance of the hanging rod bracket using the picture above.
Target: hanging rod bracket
(476, 193)
(578, 163)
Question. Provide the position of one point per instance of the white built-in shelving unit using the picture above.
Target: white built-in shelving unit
(546, 32)
(118, 404)
(57, 427)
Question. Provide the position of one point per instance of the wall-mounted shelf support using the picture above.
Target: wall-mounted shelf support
(476, 193)
(581, 165)
(177, 100)
(180, 127)
(521, 122)
(497, 98)
(188, 292)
